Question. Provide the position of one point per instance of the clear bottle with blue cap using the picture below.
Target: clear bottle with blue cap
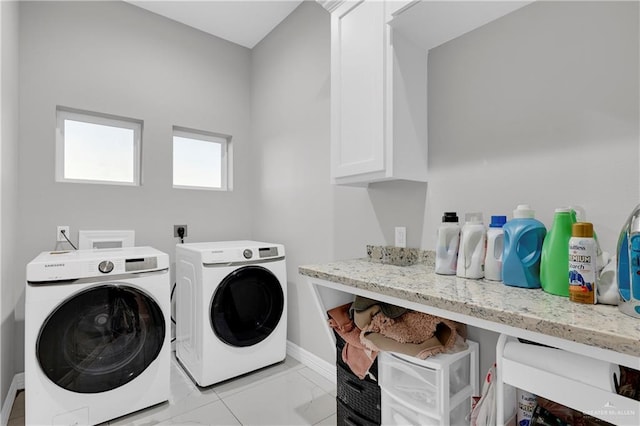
(495, 247)
(523, 238)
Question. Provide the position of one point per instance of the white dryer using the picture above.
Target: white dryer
(231, 315)
(97, 334)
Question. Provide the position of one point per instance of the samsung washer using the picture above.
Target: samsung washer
(231, 315)
(97, 335)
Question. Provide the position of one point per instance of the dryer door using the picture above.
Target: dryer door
(247, 306)
(101, 338)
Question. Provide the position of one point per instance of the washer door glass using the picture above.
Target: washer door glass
(101, 338)
(247, 306)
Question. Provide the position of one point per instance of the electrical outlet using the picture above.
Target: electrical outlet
(176, 233)
(59, 236)
(401, 236)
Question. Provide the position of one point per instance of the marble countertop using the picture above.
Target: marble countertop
(603, 326)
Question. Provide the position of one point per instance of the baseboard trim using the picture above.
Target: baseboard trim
(17, 384)
(314, 362)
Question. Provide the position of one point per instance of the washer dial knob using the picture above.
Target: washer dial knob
(105, 266)
(248, 254)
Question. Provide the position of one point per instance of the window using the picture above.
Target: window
(200, 160)
(97, 148)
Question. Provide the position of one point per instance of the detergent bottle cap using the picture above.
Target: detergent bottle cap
(582, 229)
(497, 221)
(475, 217)
(450, 217)
(523, 211)
(581, 215)
(563, 210)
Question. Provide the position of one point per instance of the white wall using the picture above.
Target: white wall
(8, 188)
(115, 58)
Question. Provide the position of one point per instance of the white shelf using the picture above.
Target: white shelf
(349, 282)
(589, 399)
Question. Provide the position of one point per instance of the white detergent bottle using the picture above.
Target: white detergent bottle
(447, 244)
(495, 245)
(471, 254)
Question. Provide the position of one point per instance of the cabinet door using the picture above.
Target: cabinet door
(357, 88)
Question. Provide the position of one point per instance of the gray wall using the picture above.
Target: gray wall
(539, 107)
(502, 126)
(115, 58)
(296, 203)
(8, 189)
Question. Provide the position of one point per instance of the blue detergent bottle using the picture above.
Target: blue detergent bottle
(523, 237)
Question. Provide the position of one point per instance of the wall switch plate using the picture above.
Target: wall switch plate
(401, 236)
(59, 236)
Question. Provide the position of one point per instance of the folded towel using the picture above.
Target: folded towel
(392, 311)
(414, 333)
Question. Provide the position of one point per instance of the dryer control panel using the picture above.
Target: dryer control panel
(232, 252)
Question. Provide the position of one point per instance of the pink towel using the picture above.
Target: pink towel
(354, 354)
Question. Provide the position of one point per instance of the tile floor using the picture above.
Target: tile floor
(287, 393)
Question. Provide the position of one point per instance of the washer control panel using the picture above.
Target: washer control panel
(140, 264)
(78, 264)
(268, 252)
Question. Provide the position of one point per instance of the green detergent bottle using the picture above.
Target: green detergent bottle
(554, 263)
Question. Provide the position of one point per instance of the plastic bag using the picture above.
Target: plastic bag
(484, 412)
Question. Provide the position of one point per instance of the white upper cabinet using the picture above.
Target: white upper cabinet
(378, 130)
(357, 88)
(379, 53)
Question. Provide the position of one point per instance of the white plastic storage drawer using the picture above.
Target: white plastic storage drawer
(460, 415)
(397, 413)
(410, 377)
(408, 382)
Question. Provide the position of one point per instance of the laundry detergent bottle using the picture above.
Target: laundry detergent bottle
(473, 244)
(447, 244)
(523, 239)
(554, 265)
(628, 265)
(495, 249)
